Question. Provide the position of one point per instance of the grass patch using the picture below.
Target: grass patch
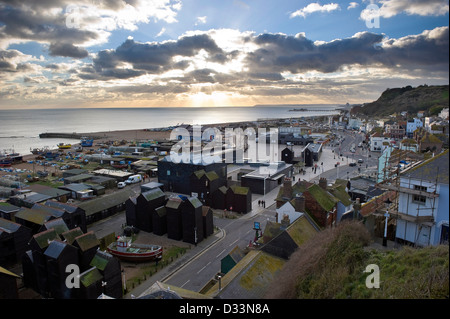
(332, 265)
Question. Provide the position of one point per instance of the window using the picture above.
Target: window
(420, 199)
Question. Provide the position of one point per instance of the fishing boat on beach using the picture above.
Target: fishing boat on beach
(62, 146)
(125, 250)
(39, 151)
(86, 142)
(5, 162)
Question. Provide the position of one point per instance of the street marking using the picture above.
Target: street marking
(220, 253)
(201, 269)
(233, 242)
(185, 283)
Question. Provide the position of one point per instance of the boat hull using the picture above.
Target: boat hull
(87, 143)
(140, 253)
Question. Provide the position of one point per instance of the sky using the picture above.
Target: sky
(173, 53)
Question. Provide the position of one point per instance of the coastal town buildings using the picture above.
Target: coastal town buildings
(180, 201)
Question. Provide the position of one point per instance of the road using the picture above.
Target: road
(238, 232)
(347, 141)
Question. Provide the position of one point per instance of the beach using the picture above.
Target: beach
(130, 136)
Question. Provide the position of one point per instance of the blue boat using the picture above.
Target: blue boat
(85, 142)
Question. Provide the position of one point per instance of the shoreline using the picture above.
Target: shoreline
(160, 135)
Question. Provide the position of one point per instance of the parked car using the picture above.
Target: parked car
(352, 164)
(121, 184)
(360, 161)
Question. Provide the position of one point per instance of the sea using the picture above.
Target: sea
(20, 128)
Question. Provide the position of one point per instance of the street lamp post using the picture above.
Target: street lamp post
(388, 203)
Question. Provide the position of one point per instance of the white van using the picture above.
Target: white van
(134, 179)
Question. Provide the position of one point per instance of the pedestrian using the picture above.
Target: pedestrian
(264, 203)
(259, 203)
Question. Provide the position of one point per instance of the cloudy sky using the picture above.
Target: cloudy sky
(143, 53)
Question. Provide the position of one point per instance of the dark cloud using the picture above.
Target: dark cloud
(67, 50)
(155, 58)
(298, 54)
(162, 53)
(428, 49)
(26, 24)
(13, 61)
(6, 66)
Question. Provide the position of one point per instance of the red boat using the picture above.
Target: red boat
(127, 251)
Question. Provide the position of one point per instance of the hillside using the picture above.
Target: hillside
(331, 265)
(422, 98)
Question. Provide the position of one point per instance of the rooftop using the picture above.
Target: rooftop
(434, 169)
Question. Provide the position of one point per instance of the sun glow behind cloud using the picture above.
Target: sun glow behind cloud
(176, 53)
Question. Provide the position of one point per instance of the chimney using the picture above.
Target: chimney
(299, 203)
(323, 183)
(285, 222)
(287, 188)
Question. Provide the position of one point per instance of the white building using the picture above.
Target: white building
(444, 113)
(378, 142)
(413, 125)
(423, 207)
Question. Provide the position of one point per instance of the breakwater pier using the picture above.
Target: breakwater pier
(74, 135)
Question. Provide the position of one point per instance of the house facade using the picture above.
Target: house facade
(423, 207)
(379, 142)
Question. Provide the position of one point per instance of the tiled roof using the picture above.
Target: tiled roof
(105, 202)
(325, 199)
(43, 238)
(90, 277)
(55, 248)
(87, 241)
(35, 216)
(301, 230)
(58, 225)
(173, 203)
(436, 168)
(70, 235)
(8, 226)
(153, 194)
(239, 190)
(101, 260)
